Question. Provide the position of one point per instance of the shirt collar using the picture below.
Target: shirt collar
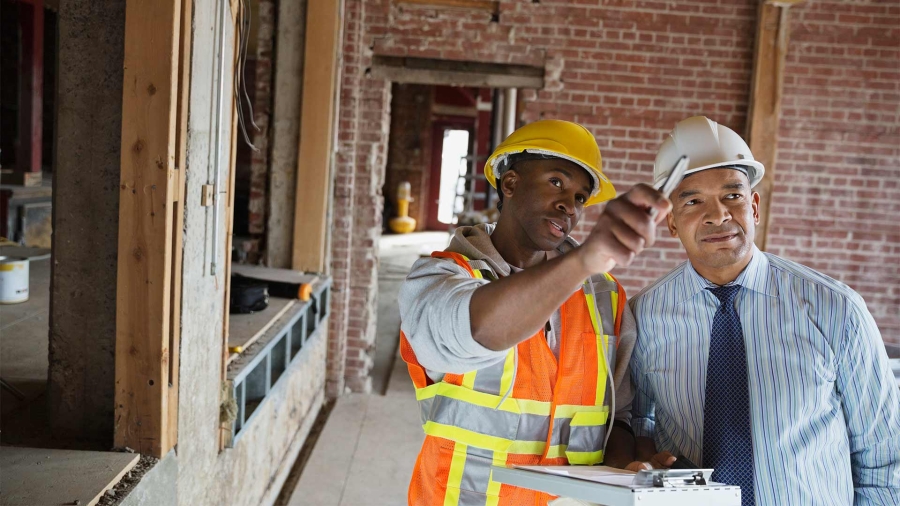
(756, 277)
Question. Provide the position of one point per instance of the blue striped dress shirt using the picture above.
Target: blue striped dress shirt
(825, 411)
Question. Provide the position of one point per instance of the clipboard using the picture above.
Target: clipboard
(609, 486)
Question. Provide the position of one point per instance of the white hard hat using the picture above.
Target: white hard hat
(709, 145)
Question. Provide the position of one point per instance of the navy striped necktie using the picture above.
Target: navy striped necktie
(727, 439)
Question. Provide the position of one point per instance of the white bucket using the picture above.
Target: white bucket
(13, 280)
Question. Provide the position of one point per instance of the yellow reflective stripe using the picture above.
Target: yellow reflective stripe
(570, 410)
(557, 451)
(493, 443)
(589, 419)
(527, 447)
(602, 367)
(592, 310)
(469, 380)
(493, 490)
(509, 367)
(530, 407)
(511, 405)
(614, 296)
(585, 458)
(477, 274)
(597, 323)
(454, 479)
(459, 435)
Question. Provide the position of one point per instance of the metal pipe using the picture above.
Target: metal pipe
(220, 94)
(510, 102)
(497, 120)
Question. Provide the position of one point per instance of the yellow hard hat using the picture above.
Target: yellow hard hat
(555, 138)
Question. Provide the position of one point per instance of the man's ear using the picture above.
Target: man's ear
(508, 183)
(754, 203)
(670, 222)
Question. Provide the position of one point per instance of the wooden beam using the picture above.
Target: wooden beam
(184, 98)
(400, 69)
(148, 187)
(772, 34)
(491, 6)
(317, 117)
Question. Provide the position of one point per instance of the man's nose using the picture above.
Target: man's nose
(717, 213)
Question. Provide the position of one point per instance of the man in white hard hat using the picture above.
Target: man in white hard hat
(769, 372)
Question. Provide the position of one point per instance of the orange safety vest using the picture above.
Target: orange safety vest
(529, 409)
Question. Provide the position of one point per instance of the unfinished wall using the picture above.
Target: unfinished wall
(285, 137)
(252, 472)
(629, 71)
(344, 178)
(86, 220)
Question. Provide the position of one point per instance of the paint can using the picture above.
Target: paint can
(13, 280)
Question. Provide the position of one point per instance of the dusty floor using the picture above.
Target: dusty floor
(24, 345)
(25, 339)
(397, 253)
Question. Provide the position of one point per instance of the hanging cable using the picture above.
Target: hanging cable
(242, 28)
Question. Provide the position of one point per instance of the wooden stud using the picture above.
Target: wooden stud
(772, 34)
(401, 69)
(322, 56)
(184, 96)
(148, 186)
(236, 13)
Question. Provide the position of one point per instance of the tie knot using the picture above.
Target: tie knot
(726, 293)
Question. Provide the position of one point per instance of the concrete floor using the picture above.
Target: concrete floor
(397, 253)
(24, 339)
(366, 452)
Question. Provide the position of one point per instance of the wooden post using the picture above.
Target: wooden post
(772, 35)
(31, 94)
(149, 187)
(322, 55)
(184, 98)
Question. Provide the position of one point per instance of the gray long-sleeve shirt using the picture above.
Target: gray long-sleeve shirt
(434, 311)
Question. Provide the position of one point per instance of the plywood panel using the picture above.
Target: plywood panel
(316, 135)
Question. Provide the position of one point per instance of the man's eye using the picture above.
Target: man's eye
(556, 182)
(581, 199)
(691, 202)
(733, 196)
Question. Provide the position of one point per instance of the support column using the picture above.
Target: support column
(772, 35)
(31, 93)
(86, 220)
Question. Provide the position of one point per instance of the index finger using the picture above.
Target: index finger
(654, 201)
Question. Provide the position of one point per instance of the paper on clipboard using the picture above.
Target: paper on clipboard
(598, 474)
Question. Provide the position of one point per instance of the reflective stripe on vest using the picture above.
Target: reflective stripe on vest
(488, 415)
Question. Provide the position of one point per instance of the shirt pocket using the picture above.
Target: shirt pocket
(587, 434)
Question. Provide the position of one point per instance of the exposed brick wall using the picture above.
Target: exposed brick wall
(345, 175)
(629, 70)
(837, 192)
(410, 144)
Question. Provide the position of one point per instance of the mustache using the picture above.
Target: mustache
(724, 230)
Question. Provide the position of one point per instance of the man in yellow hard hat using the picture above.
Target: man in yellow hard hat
(512, 334)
